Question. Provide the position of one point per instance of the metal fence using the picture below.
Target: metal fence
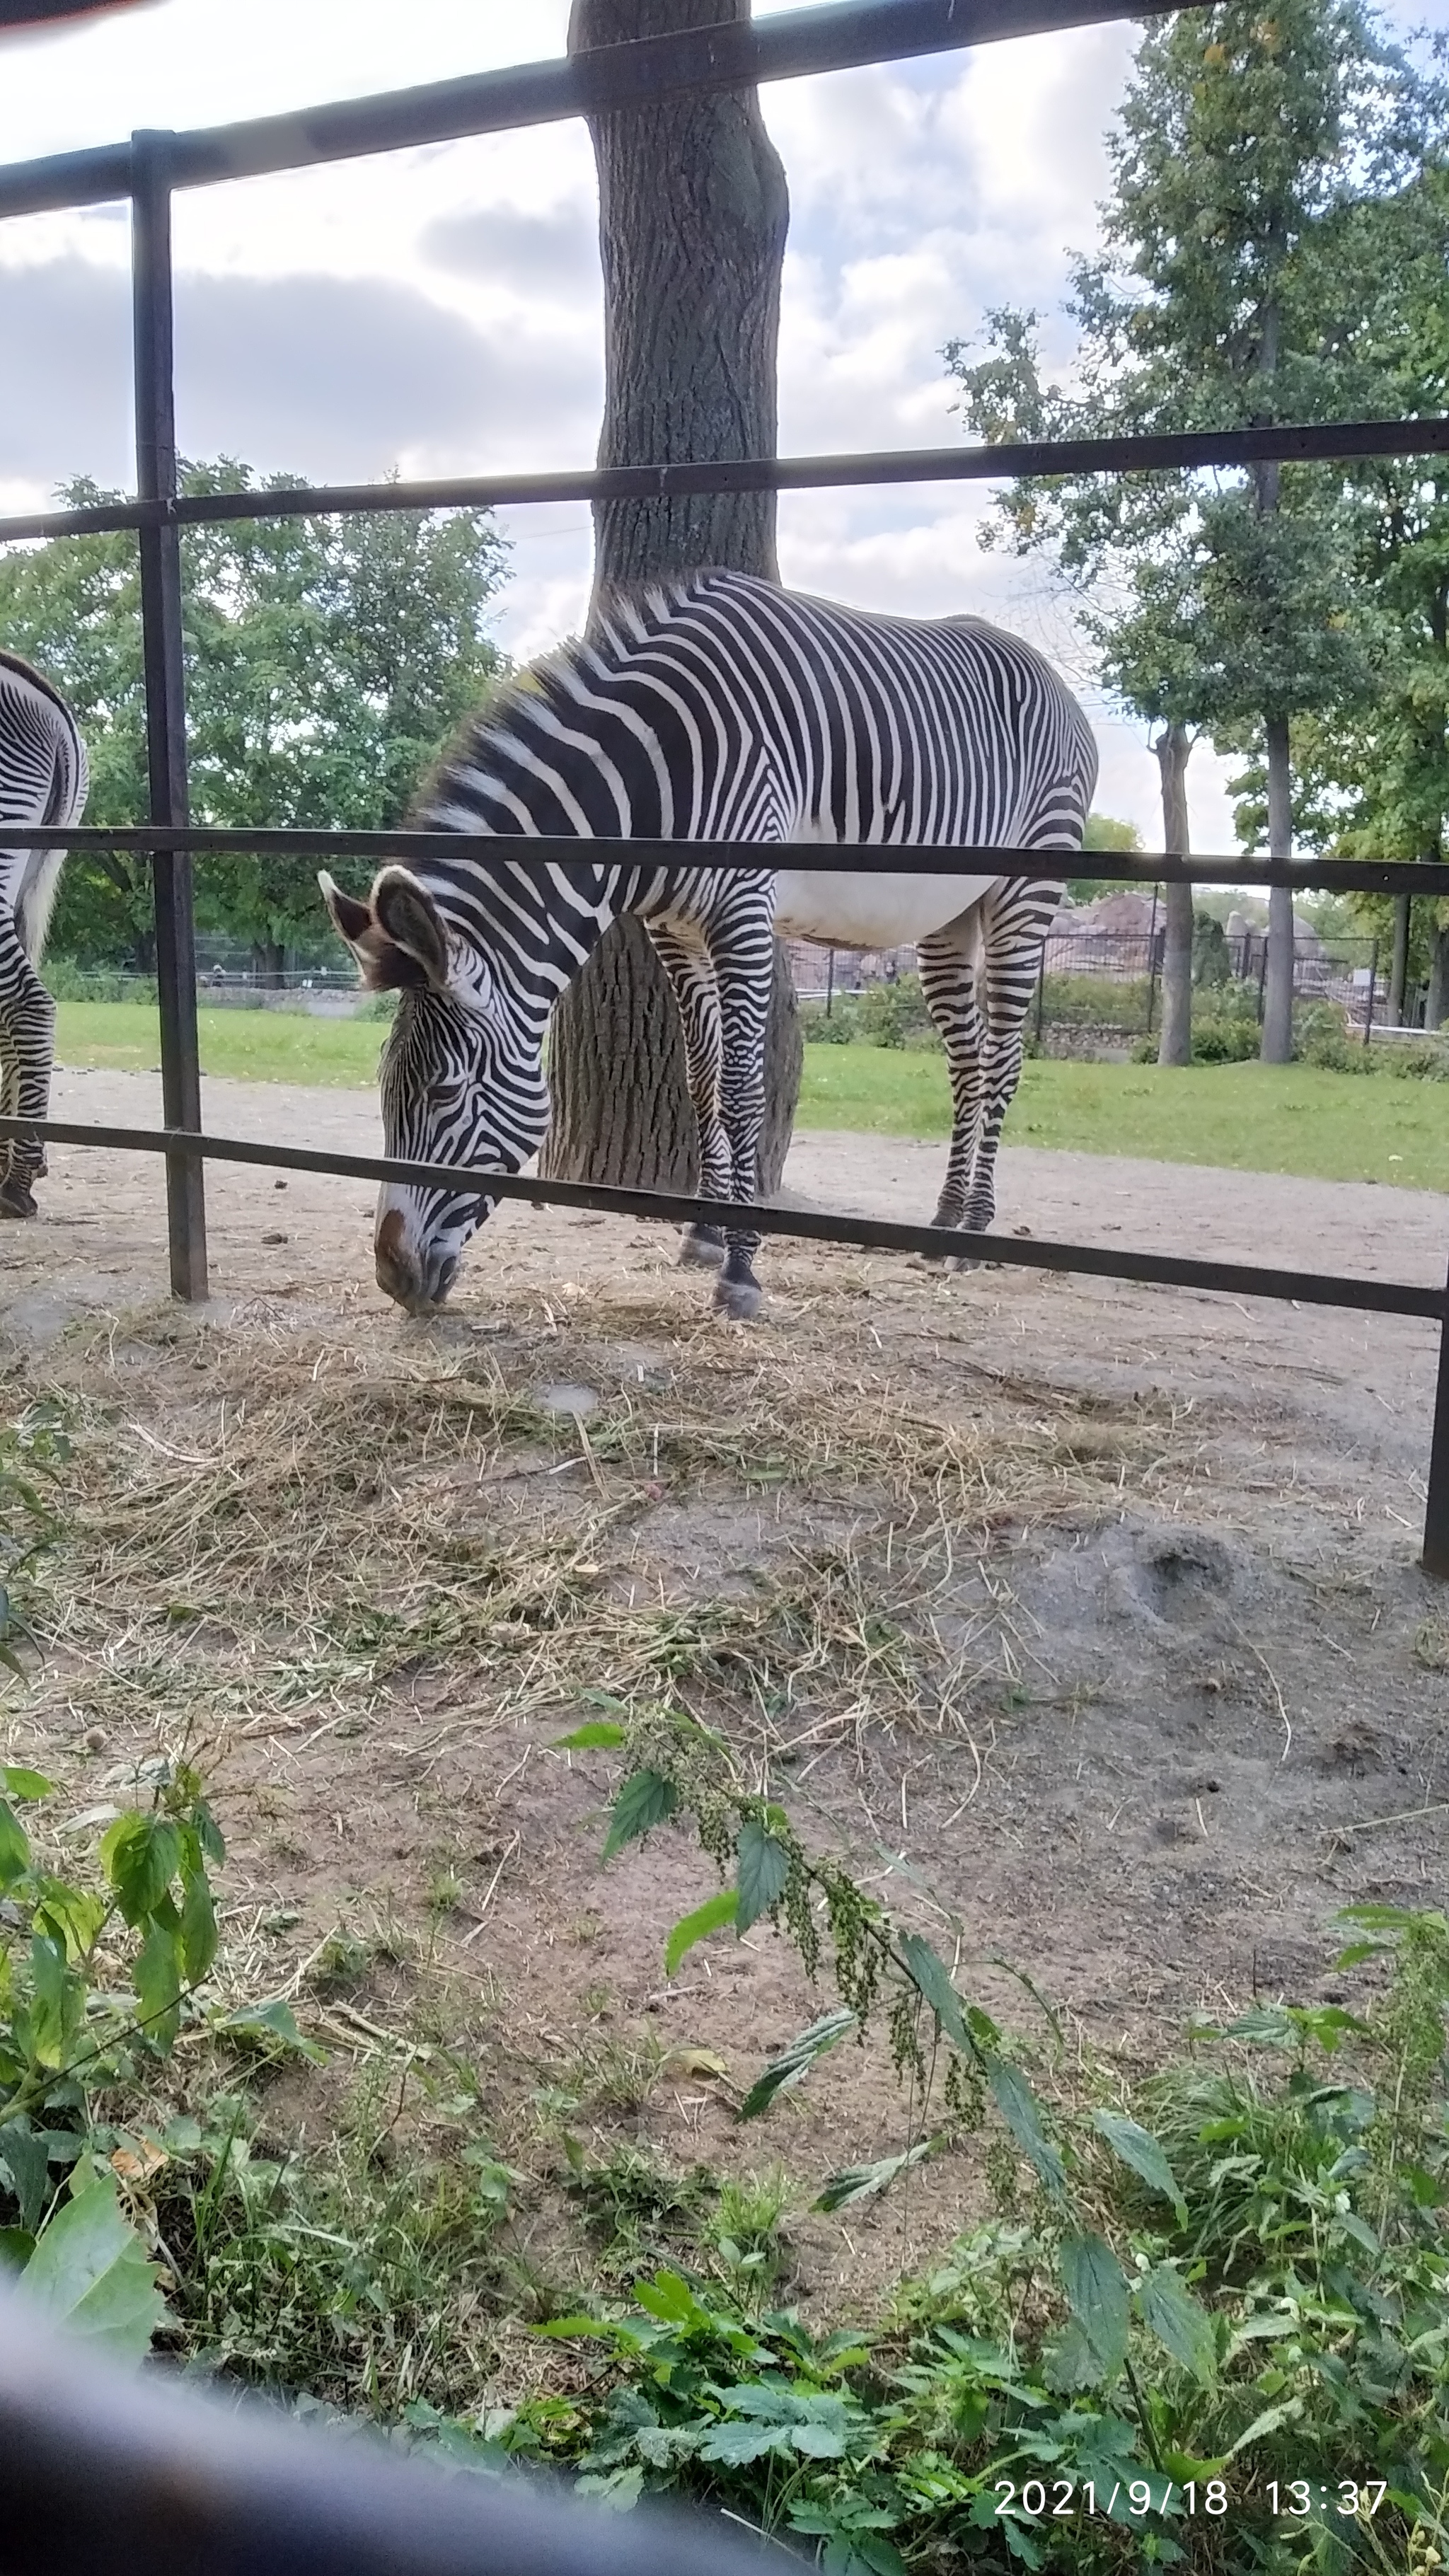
(147, 170)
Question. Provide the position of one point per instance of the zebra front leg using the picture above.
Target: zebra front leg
(27, 1044)
(744, 960)
(1016, 921)
(948, 985)
(690, 970)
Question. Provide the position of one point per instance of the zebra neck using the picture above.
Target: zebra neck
(536, 928)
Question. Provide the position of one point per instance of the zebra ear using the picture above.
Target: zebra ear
(410, 923)
(350, 919)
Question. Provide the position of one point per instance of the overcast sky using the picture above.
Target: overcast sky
(439, 310)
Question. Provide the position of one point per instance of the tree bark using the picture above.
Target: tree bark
(1174, 749)
(1277, 1043)
(1399, 970)
(693, 212)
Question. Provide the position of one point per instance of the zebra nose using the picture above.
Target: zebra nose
(413, 1280)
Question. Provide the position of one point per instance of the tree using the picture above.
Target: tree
(326, 663)
(693, 212)
(1247, 139)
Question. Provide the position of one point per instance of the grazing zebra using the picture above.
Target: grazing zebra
(715, 707)
(43, 779)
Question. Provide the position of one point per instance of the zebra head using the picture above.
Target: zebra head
(461, 1077)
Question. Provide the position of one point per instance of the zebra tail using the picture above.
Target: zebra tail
(40, 885)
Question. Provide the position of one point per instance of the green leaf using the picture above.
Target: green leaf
(764, 1871)
(273, 2022)
(71, 1915)
(208, 1833)
(1139, 2149)
(156, 1977)
(734, 2445)
(669, 2298)
(1016, 2102)
(931, 1977)
(795, 2061)
(57, 2001)
(862, 2182)
(140, 1856)
(713, 1916)
(89, 2273)
(644, 1801)
(14, 1846)
(1179, 2321)
(16, 2249)
(600, 1735)
(24, 2157)
(20, 1783)
(1096, 2288)
(198, 1929)
(1272, 2420)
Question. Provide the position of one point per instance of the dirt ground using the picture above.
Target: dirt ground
(1083, 1619)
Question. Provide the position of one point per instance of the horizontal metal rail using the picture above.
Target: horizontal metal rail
(871, 1234)
(799, 43)
(1177, 452)
(808, 858)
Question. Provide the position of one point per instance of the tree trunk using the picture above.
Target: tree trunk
(269, 964)
(693, 213)
(1277, 1043)
(1174, 749)
(1436, 1000)
(1399, 970)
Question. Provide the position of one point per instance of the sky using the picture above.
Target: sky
(439, 310)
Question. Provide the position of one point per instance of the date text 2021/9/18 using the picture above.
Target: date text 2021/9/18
(1293, 2499)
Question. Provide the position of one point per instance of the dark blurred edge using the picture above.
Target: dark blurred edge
(45, 13)
(112, 2473)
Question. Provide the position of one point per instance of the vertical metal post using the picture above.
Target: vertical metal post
(1436, 1502)
(1041, 993)
(829, 981)
(1368, 1015)
(161, 640)
(1262, 978)
(1152, 961)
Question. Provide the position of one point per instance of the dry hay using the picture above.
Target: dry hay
(283, 1524)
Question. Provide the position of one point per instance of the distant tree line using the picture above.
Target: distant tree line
(327, 661)
(1275, 246)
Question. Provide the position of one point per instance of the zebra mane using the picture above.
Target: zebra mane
(27, 671)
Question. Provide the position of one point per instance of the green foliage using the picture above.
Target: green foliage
(1261, 166)
(1237, 2282)
(327, 660)
(66, 2035)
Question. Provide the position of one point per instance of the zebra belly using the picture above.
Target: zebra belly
(870, 911)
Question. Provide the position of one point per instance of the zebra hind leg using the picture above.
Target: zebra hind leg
(696, 997)
(1017, 921)
(27, 1048)
(948, 984)
(744, 961)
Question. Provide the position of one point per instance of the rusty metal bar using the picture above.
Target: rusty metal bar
(1301, 442)
(811, 858)
(793, 46)
(163, 663)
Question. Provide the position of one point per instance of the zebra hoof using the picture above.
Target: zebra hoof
(701, 1250)
(17, 1198)
(738, 1299)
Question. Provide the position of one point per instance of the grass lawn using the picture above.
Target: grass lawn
(252, 1046)
(1247, 1117)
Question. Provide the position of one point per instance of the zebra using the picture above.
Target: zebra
(714, 706)
(43, 779)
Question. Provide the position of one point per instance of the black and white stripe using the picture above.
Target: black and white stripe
(43, 780)
(717, 708)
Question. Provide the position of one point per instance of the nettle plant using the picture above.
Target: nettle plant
(96, 1972)
(1230, 2326)
(31, 1450)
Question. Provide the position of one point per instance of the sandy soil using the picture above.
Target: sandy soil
(1212, 1702)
